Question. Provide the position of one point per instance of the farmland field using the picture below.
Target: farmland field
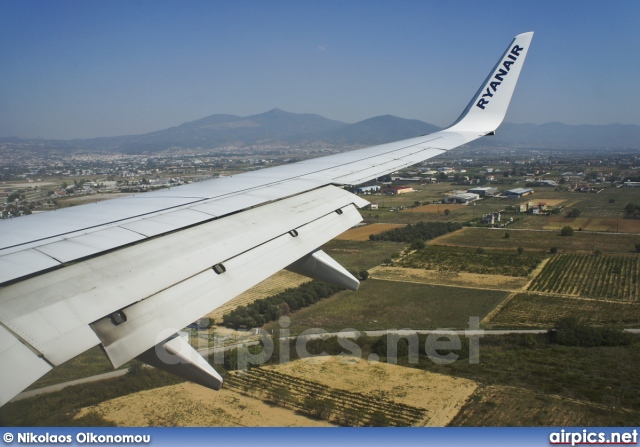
(446, 278)
(416, 396)
(594, 224)
(554, 202)
(362, 233)
(89, 363)
(580, 242)
(600, 205)
(390, 304)
(198, 407)
(361, 255)
(528, 310)
(603, 376)
(505, 406)
(465, 260)
(609, 277)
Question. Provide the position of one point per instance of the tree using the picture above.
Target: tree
(447, 212)
(574, 213)
(378, 419)
(351, 417)
(638, 247)
(553, 250)
(320, 408)
(13, 196)
(507, 235)
(566, 231)
(135, 369)
(520, 250)
(280, 395)
(612, 200)
(418, 244)
(284, 307)
(480, 250)
(364, 275)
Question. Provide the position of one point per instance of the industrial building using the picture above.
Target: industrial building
(368, 189)
(484, 191)
(463, 198)
(394, 190)
(518, 192)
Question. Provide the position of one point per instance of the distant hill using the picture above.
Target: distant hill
(377, 130)
(219, 130)
(279, 127)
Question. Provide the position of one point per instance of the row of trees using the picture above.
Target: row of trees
(420, 231)
(271, 308)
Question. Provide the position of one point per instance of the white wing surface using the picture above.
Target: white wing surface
(129, 273)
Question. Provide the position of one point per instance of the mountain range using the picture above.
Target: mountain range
(277, 127)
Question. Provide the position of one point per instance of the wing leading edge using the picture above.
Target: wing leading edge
(69, 272)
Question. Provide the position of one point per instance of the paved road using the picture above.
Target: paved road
(402, 332)
(59, 386)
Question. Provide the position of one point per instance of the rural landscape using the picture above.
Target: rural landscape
(552, 281)
(401, 223)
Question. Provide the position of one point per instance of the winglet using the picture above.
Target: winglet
(489, 105)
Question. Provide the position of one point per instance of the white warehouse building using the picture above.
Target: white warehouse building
(463, 198)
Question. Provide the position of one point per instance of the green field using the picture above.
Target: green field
(599, 205)
(458, 259)
(580, 242)
(60, 407)
(89, 363)
(610, 277)
(601, 375)
(528, 310)
(517, 407)
(389, 304)
(362, 255)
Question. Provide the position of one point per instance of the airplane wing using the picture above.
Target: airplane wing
(129, 273)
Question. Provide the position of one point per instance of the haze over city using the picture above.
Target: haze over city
(85, 69)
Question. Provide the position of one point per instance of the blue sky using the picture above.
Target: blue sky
(74, 69)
